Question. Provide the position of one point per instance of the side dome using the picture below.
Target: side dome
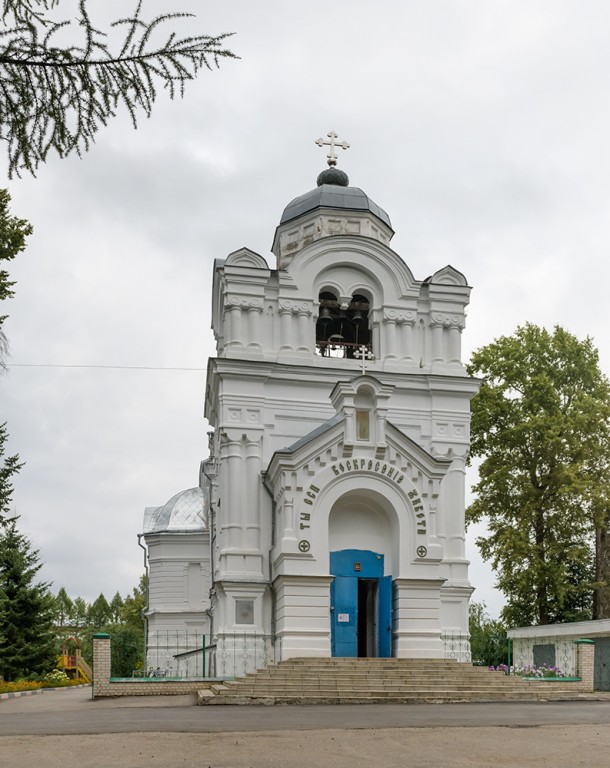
(186, 511)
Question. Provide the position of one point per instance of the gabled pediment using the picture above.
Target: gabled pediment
(244, 257)
(326, 448)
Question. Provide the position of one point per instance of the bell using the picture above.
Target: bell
(325, 315)
(335, 340)
(357, 318)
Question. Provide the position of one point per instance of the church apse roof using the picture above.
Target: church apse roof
(186, 511)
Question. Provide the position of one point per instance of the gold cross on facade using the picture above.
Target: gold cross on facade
(364, 353)
(332, 157)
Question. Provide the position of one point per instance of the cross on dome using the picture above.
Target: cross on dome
(332, 157)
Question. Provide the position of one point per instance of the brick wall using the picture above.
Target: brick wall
(586, 662)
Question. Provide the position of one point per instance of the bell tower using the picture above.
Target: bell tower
(340, 414)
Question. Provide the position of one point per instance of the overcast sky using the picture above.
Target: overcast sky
(482, 127)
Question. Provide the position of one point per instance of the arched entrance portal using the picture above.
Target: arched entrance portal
(360, 604)
(363, 546)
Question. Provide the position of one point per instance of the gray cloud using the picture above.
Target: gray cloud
(482, 129)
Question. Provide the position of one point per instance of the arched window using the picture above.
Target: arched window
(341, 332)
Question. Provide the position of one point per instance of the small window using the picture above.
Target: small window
(244, 611)
(363, 427)
(544, 655)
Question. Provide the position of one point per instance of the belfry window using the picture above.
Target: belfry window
(341, 332)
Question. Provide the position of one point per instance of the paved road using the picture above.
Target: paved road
(72, 711)
(66, 729)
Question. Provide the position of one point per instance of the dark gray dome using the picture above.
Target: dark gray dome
(333, 175)
(333, 196)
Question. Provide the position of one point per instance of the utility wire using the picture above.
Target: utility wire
(113, 367)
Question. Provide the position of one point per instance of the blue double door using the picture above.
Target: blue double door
(360, 605)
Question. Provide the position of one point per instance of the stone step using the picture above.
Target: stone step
(432, 698)
(379, 680)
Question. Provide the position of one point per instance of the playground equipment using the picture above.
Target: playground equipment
(72, 662)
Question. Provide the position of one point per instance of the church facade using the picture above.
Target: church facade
(335, 485)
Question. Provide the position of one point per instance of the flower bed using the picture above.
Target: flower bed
(54, 679)
(534, 673)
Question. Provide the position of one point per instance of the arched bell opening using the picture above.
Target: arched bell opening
(341, 332)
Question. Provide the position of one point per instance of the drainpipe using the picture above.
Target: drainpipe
(146, 593)
(270, 562)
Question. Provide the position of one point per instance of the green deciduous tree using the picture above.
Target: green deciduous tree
(57, 92)
(134, 605)
(488, 641)
(26, 608)
(540, 423)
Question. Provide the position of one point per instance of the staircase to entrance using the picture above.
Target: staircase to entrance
(374, 681)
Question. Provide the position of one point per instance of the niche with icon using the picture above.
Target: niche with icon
(340, 332)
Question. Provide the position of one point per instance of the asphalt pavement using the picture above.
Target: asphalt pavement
(67, 729)
(73, 712)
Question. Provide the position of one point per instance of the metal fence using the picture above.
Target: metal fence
(457, 646)
(176, 653)
(523, 654)
(238, 653)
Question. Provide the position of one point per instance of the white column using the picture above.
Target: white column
(236, 328)
(454, 343)
(227, 328)
(350, 425)
(390, 337)
(407, 341)
(437, 342)
(376, 340)
(254, 315)
(305, 330)
(453, 492)
(231, 506)
(251, 511)
(289, 521)
(285, 327)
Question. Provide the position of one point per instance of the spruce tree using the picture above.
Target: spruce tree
(26, 608)
(64, 608)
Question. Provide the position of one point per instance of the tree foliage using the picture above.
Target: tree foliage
(122, 618)
(63, 608)
(488, 640)
(56, 94)
(100, 612)
(541, 425)
(9, 466)
(134, 605)
(13, 234)
(26, 608)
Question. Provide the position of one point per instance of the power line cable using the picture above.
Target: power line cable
(112, 367)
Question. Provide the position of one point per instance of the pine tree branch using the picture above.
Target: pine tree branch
(57, 97)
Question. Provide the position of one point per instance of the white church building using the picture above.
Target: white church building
(329, 517)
